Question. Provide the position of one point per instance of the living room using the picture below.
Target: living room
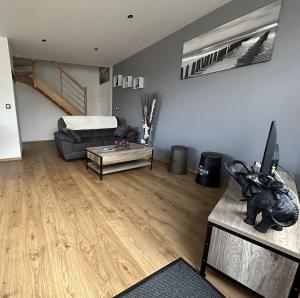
(110, 115)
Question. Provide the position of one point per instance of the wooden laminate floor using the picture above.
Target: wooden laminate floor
(63, 233)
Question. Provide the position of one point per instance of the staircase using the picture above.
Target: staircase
(56, 84)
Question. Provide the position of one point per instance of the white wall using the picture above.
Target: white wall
(38, 116)
(99, 96)
(9, 133)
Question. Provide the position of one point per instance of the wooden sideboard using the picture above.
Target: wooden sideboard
(268, 264)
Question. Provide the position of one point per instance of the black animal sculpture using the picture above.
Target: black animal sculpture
(266, 195)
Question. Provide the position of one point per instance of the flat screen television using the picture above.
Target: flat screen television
(271, 150)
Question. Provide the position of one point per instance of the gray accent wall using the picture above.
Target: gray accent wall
(230, 111)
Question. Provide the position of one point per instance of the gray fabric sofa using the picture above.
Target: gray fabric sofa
(69, 148)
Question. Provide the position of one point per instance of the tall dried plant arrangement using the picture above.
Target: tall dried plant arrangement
(149, 105)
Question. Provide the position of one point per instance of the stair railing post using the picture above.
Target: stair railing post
(61, 83)
(33, 73)
(85, 100)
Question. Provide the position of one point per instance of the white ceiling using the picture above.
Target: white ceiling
(73, 28)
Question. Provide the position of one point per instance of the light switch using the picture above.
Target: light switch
(8, 106)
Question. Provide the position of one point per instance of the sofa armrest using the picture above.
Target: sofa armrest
(63, 137)
(64, 144)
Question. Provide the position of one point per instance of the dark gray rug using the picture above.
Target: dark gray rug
(176, 280)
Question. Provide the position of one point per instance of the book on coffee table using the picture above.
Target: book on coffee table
(105, 149)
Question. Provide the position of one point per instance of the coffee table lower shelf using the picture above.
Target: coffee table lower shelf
(118, 167)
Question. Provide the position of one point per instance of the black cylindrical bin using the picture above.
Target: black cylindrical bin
(209, 170)
(178, 160)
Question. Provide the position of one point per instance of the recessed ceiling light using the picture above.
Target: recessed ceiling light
(130, 16)
(96, 49)
(44, 40)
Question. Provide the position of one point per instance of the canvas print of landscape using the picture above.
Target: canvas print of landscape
(243, 41)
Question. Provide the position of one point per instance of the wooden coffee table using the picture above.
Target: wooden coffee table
(105, 162)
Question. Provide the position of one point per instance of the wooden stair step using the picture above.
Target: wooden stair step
(23, 74)
(56, 98)
(54, 102)
(25, 80)
(22, 65)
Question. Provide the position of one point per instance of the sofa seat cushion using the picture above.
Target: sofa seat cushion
(91, 143)
(90, 140)
(82, 146)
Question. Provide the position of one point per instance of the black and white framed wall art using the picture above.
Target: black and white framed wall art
(103, 74)
(241, 42)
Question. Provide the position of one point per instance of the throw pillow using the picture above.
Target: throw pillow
(122, 131)
(130, 134)
(71, 133)
(75, 136)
